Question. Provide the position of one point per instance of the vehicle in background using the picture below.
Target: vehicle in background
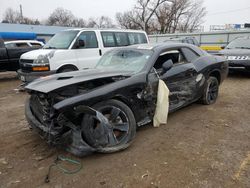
(11, 51)
(188, 40)
(237, 52)
(99, 109)
(23, 43)
(194, 41)
(75, 49)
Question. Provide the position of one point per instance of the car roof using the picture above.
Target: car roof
(106, 29)
(22, 41)
(160, 46)
(180, 38)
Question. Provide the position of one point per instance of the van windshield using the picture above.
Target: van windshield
(61, 40)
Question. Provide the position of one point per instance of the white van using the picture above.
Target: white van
(75, 49)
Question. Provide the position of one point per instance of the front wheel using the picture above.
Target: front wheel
(121, 127)
(211, 91)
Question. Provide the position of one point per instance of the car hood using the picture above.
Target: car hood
(50, 83)
(235, 52)
(35, 53)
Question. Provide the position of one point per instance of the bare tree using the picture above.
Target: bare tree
(11, 16)
(61, 17)
(194, 18)
(163, 16)
(79, 22)
(101, 22)
(141, 16)
(127, 20)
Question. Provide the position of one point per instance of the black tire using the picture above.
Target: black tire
(122, 129)
(211, 91)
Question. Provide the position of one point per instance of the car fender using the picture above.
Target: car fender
(105, 92)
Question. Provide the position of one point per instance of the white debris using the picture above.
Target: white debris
(162, 105)
(3, 161)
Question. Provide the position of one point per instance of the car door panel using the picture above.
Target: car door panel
(88, 56)
(181, 81)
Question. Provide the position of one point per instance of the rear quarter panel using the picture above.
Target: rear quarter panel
(210, 64)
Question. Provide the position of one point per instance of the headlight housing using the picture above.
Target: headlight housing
(42, 59)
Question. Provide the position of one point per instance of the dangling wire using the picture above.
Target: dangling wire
(61, 168)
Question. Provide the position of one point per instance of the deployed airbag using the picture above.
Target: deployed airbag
(162, 105)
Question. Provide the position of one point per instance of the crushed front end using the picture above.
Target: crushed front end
(56, 128)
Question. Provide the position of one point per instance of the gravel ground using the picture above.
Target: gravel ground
(201, 146)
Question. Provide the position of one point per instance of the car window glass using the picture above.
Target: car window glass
(10, 45)
(121, 39)
(22, 45)
(241, 43)
(89, 38)
(137, 38)
(190, 54)
(61, 40)
(125, 60)
(190, 41)
(175, 55)
(195, 42)
(108, 39)
(35, 44)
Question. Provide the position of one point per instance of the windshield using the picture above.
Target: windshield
(61, 40)
(239, 43)
(125, 60)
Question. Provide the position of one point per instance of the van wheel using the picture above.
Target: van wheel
(211, 91)
(121, 127)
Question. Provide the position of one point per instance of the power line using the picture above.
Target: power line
(229, 11)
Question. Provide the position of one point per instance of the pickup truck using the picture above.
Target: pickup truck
(10, 54)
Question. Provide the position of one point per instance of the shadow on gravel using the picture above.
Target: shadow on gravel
(5, 76)
(239, 73)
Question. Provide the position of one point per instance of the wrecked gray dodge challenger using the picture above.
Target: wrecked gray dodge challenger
(98, 110)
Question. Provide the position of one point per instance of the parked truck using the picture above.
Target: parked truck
(10, 54)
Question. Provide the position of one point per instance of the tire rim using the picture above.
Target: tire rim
(212, 92)
(118, 125)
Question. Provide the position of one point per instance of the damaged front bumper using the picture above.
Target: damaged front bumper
(70, 140)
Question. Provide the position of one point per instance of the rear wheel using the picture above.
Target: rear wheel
(211, 91)
(118, 133)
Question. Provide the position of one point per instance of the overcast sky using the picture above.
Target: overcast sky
(218, 11)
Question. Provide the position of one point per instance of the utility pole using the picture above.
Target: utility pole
(21, 12)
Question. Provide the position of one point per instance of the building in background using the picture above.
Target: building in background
(229, 27)
(28, 32)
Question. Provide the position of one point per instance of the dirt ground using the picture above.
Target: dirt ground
(201, 146)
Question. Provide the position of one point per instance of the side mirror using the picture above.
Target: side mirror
(167, 65)
(80, 43)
